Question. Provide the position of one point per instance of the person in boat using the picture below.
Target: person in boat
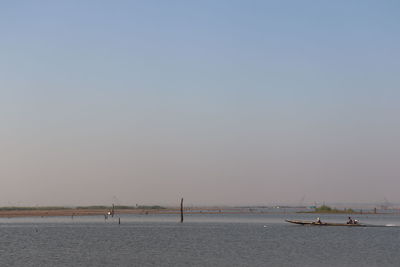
(350, 221)
(319, 220)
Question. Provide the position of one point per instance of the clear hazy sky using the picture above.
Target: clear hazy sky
(219, 102)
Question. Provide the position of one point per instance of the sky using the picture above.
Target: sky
(219, 102)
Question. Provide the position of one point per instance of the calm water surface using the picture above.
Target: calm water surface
(202, 240)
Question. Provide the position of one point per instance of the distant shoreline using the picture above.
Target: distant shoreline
(69, 212)
(12, 212)
(338, 212)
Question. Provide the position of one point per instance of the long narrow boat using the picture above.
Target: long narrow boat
(325, 223)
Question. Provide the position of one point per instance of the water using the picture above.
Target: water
(202, 240)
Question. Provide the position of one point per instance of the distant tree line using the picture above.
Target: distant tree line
(328, 209)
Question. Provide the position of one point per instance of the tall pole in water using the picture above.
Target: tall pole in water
(182, 210)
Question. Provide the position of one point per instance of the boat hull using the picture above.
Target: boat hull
(323, 223)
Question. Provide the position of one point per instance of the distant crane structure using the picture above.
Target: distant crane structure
(386, 204)
(301, 202)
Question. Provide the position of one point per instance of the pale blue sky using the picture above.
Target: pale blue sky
(221, 102)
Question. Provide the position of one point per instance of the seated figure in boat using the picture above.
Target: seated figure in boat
(318, 220)
(350, 221)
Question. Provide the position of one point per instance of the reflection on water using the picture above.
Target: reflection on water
(202, 240)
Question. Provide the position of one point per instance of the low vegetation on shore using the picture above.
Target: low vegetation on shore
(328, 209)
(12, 208)
(42, 211)
(97, 207)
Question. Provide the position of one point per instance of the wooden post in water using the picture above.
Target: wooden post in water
(182, 210)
